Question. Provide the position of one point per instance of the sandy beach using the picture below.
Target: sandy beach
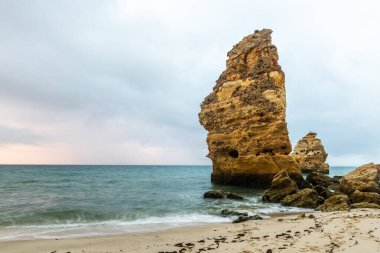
(354, 231)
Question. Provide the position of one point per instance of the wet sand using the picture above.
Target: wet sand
(354, 231)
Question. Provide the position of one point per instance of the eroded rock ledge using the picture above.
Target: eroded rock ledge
(245, 116)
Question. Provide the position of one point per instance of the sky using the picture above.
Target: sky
(121, 82)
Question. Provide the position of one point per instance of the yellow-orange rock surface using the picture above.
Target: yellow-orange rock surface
(310, 154)
(245, 116)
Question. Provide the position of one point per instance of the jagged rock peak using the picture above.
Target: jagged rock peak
(311, 154)
(245, 116)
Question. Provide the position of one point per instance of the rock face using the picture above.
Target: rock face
(307, 198)
(245, 116)
(316, 178)
(310, 154)
(336, 203)
(370, 197)
(364, 179)
(282, 185)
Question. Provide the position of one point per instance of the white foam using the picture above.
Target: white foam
(112, 227)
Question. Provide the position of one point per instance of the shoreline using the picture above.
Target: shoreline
(79, 230)
(355, 231)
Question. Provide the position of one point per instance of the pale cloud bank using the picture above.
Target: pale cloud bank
(120, 82)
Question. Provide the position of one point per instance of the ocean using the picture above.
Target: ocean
(61, 201)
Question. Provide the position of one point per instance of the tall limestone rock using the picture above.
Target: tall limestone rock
(245, 116)
(310, 154)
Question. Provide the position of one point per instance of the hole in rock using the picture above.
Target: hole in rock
(233, 153)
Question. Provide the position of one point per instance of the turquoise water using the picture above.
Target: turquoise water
(69, 201)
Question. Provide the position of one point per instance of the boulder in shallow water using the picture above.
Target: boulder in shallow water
(365, 205)
(307, 198)
(216, 194)
(282, 185)
(336, 203)
(232, 195)
(370, 197)
(364, 179)
(246, 218)
(226, 212)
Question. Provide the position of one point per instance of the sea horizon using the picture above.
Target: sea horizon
(60, 201)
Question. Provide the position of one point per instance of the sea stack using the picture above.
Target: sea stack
(310, 154)
(244, 115)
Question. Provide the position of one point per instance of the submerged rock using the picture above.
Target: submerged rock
(370, 197)
(364, 179)
(336, 203)
(232, 195)
(226, 212)
(310, 154)
(244, 115)
(282, 185)
(307, 198)
(217, 194)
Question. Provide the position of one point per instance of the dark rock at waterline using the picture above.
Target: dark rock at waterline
(335, 179)
(282, 185)
(226, 212)
(307, 198)
(243, 218)
(232, 195)
(300, 181)
(322, 191)
(217, 194)
(316, 178)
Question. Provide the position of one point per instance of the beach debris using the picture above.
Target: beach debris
(310, 154)
(244, 115)
(282, 185)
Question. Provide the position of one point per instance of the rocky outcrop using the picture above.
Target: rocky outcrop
(370, 197)
(231, 195)
(364, 179)
(310, 154)
(245, 116)
(365, 205)
(217, 194)
(307, 198)
(336, 203)
(316, 178)
(282, 185)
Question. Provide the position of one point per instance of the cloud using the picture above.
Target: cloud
(121, 81)
(12, 135)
